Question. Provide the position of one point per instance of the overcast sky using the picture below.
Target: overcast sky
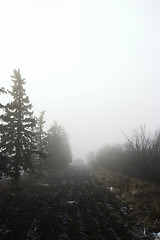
(92, 65)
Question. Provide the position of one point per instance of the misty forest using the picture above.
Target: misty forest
(45, 193)
(79, 120)
(25, 146)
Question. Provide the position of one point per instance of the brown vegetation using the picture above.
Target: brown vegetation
(141, 197)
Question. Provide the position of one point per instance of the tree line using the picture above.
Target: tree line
(24, 144)
(138, 156)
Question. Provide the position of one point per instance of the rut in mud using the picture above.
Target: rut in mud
(70, 206)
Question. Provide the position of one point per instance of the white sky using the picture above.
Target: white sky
(92, 65)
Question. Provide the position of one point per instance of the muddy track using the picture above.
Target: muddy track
(70, 207)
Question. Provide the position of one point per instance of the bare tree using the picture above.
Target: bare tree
(139, 143)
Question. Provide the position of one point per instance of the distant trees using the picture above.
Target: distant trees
(40, 143)
(59, 152)
(79, 161)
(91, 159)
(24, 145)
(17, 130)
(52, 148)
(139, 156)
(111, 158)
(138, 146)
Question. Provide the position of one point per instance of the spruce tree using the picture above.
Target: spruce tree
(40, 142)
(17, 129)
(59, 151)
(2, 90)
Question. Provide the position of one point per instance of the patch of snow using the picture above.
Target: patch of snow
(45, 184)
(157, 236)
(71, 202)
(32, 232)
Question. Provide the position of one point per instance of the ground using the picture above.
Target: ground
(66, 205)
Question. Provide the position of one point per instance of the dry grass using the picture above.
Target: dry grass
(25, 183)
(142, 198)
(5, 187)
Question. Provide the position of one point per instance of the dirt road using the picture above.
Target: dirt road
(68, 205)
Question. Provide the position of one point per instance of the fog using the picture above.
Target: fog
(93, 66)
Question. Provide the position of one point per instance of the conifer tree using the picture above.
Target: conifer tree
(59, 151)
(40, 142)
(17, 129)
(2, 90)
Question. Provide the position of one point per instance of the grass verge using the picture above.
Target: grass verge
(141, 198)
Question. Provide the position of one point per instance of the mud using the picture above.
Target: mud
(68, 205)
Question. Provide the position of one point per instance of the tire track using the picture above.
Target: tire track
(68, 206)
